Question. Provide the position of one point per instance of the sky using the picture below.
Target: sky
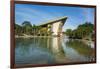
(38, 14)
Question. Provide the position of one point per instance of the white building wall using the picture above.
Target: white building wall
(55, 28)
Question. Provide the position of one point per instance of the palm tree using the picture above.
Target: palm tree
(34, 28)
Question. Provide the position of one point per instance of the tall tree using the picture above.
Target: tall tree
(69, 32)
(27, 27)
(18, 29)
(34, 29)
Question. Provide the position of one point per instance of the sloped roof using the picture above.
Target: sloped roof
(55, 20)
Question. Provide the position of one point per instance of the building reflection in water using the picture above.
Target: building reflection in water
(50, 50)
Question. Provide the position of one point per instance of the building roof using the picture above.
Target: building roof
(55, 20)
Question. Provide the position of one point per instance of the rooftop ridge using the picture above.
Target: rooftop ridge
(50, 21)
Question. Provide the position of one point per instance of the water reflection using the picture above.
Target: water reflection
(78, 51)
(43, 50)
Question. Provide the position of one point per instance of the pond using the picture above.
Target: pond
(52, 50)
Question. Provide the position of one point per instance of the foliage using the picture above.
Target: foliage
(69, 32)
(82, 31)
(18, 29)
(28, 29)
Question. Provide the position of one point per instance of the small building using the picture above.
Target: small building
(52, 27)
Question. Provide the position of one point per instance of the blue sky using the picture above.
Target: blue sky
(38, 14)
